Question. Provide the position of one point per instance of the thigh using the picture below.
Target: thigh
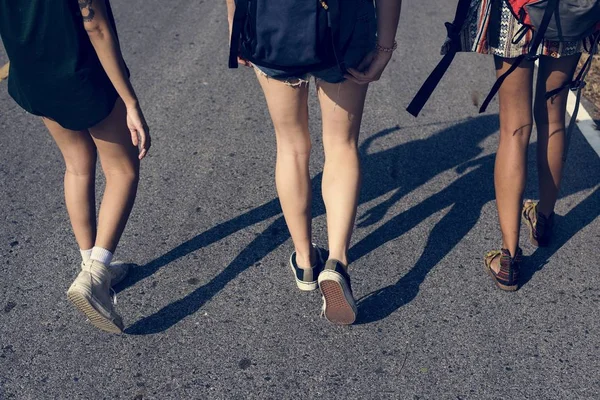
(288, 106)
(342, 106)
(113, 141)
(552, 74)
(515, 96)
(77, 147)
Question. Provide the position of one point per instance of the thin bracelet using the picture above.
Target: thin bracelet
(387, 49)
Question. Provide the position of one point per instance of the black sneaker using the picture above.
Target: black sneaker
(338, 302)
(306, 279)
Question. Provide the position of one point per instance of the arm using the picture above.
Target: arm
(104, 41)
(230, 12)
(372, 66)
(388, 16)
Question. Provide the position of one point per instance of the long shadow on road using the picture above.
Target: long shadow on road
(466, 196)
(567, 226)
(401, 169)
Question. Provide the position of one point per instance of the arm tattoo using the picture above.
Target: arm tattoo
(88, 14)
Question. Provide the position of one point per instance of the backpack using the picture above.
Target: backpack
(558, 20)
(571, 21)
(292, 35)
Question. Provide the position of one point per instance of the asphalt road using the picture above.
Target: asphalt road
(211, 309)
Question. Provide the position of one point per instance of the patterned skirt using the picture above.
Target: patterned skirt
(476, 35)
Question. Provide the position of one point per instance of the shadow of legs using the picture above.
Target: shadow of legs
(168, 316)
(466, 199)
(204, 239)
(567, 226)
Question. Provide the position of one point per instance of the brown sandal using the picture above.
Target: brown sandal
(540, 226)
(508, 276)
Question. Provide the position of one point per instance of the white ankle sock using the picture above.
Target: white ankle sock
(102, 255)
(85, 254)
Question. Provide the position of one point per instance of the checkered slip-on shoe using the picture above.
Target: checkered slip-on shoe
(338, 302)
(306, 279)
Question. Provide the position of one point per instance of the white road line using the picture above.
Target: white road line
(585, 123)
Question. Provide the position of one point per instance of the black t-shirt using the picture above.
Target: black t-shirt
(54, 70)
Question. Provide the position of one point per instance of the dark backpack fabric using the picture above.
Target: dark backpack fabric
(292, 35)
(570, 21)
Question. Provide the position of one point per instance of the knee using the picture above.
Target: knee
(347, 144)
(123, 172)
(81, 168)
(516, 134)
(294, 145)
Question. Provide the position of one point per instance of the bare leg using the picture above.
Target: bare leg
(288, 106)
(79, 153)
(550, 124)
(119, 160)
(342, 107)
(510, 172)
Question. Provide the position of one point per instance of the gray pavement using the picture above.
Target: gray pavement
(211, 309)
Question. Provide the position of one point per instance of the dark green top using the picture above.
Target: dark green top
(54, 70)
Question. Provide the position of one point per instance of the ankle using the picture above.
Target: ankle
(306, 259)
(101, 255)
(85, 254)
(341, 257)
(545, 211)
(511, 249)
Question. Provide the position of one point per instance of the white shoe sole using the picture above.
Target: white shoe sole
(84, 301)
(304, 286)
(338, 303)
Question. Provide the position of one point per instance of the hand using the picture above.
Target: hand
(140, 133)
(243, 62)
(370, 68)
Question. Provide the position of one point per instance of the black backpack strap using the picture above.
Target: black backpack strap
(239, 20)
(499, 82)
(334, 24)
(576, 85)
(531, 55)
(538, 35)
(428, 87)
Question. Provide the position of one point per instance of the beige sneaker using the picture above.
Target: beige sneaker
(118, 271)
(90, 293)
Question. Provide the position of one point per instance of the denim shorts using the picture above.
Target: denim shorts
(361, 43)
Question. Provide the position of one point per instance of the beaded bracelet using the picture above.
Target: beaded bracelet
(387, 49)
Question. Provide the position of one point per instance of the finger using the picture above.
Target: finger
(143, 138)
(353, 79)
(368, 60)
(134, 136)
(356, 74)
(359, 77)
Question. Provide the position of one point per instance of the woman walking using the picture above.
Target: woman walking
(500, 30)
(341, 86)
(66, 67)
